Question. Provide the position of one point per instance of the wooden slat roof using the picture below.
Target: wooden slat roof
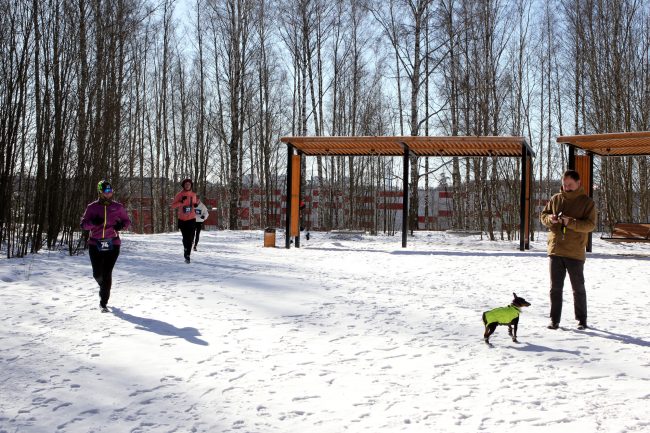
(422, 146)
(346, 145)
(616, 144)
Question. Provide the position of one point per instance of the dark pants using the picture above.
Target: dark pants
(199, 226)
(187, 229)
(103, 263)
(559, 267)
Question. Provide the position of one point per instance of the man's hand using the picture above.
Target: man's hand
(554, 219)
(565, 220)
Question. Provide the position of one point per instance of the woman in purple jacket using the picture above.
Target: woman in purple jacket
(104, 218)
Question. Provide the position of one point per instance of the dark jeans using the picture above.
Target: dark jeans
(187, 229)
(559, 267)
(199, 226)
(103, 263)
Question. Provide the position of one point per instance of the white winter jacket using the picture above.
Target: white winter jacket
(201, 212)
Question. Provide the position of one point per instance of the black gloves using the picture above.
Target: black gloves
(183, 198)
(97, 221)
(196, 205)
(118, 225)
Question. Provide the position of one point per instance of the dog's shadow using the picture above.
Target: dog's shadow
(529, 347)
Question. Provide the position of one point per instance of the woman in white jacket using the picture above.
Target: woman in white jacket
(201, 215)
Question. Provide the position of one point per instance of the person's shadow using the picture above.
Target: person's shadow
(161, 328)
(627, 339)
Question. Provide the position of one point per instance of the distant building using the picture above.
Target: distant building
(373, 210)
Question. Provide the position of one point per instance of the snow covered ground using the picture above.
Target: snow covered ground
(348, 333)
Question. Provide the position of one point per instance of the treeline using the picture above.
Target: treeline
(134, 89)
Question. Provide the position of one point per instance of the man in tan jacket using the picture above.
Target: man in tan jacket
(570, 216)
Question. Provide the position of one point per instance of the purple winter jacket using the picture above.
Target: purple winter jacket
(109, 212)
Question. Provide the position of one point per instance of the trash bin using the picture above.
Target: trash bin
(269, 237)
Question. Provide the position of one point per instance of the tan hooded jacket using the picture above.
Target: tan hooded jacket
(581, 209)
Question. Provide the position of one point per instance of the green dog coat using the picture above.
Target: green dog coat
(501, 315)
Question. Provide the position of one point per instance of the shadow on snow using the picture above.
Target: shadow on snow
(161, 328)
(627, 339)
(528, 347)
(481, 253)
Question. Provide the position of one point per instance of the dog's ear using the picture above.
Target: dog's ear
(514, 294)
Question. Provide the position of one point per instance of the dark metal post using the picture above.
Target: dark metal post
(288, 211)
(297, 238)
(522, 205)
(572, 157)
(405, 198)
(590, 192)
(529, 198)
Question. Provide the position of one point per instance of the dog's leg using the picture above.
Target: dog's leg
(489, 330)
(515, 322)
(486, 335)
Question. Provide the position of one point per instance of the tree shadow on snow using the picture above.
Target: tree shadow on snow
(521, 254)
(433, 252)
(595, 332)
(477, 253)
(471, 253)
(161, 328)
(528, 347)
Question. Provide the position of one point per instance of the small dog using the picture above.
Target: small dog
(504, 316)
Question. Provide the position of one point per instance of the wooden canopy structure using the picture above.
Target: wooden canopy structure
(420, 146)
(405, 146)
(614, 144)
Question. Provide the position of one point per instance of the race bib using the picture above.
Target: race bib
(187, 209)
(198, 211)
(105, 244)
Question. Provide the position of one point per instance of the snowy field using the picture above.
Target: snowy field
(347, 334)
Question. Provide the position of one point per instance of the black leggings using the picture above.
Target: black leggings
(103, 263)
(199, 226)
(187, 229)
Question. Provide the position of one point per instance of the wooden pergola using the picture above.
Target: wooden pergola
(405, 146)
(613, 144)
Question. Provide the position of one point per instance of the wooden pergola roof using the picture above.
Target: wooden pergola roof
(421, 146)
(405, 146)
(615, 144)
